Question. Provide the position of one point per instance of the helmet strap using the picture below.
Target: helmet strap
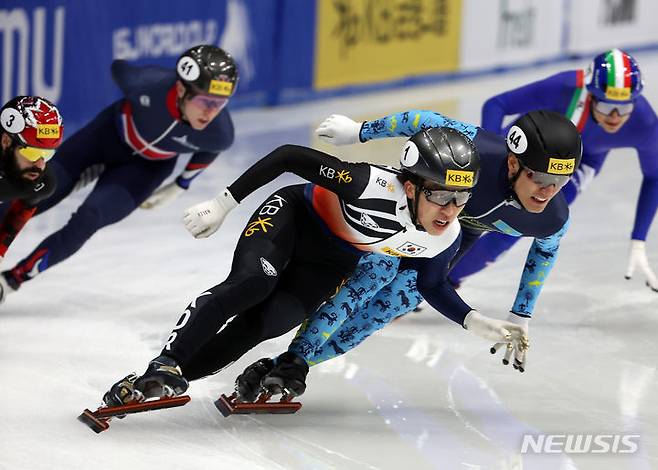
(413, 207)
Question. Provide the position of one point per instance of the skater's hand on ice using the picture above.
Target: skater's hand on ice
(163, 196)
(518, 348)
(503, 332)
(339, 130)
(638, 258)
(203, 219)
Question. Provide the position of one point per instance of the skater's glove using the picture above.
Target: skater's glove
(163, 196)
(638, 258)
(518, 348)
(339, 130)
(203, 219)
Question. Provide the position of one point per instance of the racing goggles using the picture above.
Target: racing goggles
(443, 197)
(546, 179)
(605, 107)
(211, 103)
(34, 154)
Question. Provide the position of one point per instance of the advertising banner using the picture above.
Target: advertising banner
(499, 33)
(597, 25)
(374, 41)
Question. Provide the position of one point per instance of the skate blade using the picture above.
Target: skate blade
(98, 425)
(230, 405)
(99, 420)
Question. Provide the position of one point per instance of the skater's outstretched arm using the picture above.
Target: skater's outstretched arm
(347, 180)
(536, 95)
(539, 263)
(341, 130)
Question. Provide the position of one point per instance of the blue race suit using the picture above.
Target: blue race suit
(132, 147)
(565, 93)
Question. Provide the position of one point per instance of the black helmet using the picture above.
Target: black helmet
(442, 155)
(547, 142)
(208, 69)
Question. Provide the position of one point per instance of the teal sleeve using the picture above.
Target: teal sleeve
(407, 123)
(538, 265)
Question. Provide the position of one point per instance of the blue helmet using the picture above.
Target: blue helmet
(614, 76)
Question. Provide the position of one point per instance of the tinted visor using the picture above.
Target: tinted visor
(212, 103)
(546, 179)
(443, 197)
(33, 154)
(607, 108)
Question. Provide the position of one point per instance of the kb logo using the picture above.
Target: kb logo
(459, 178)
(561, 166)
(342, 176)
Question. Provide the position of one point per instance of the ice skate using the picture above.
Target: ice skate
(288, 376)
(248, 384)
(250, 396)
(163, 378)
(123, 392)
(125, 398)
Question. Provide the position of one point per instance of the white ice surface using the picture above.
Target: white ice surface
(420, 394)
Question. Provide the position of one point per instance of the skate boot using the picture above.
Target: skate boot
(7, 285)
(288, 376)
(247, 385)
(123, 392)
(163, 378)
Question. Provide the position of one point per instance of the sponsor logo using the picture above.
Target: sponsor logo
(411, 249)
(258, 225)
(267, 267)
(618, 94)
(145, 101)
(272, 207)
(580, 443)
(618, 12)
(182, 321)
(39, 187)
(367, 221)
(517, 25)
(390, 187)
(381, 182)
(459, 178)
(342, 176)
(219, 87)
(47, 46)
(47, 131)
(391, 252)
(561, 166)
(164, 40)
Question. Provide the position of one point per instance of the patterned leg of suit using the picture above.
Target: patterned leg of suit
(372, 273)
(395, 299)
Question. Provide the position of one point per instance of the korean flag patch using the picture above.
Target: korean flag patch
(411, 249)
